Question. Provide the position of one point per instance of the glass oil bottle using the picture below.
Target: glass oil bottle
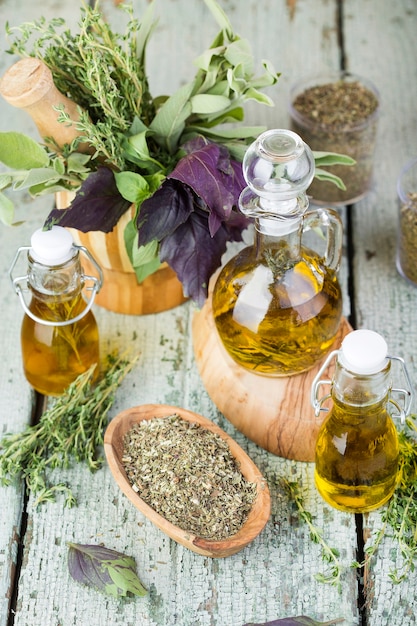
(277, 305)
(356, 460)
(59, 334)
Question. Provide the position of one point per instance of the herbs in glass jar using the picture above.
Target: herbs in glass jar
(407, 221)
(407, 238)
(187, 474)
(338, 114)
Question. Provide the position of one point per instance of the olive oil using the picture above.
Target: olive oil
(357, 457)
(53, 356)
(277, 319)
(277, 305)
(59, 334)
(357, 449)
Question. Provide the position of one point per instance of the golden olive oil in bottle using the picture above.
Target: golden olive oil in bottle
(277, 305)
(59, 333)
(357, 453)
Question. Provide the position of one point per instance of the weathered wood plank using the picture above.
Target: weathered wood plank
(16, 397)
(381, 44)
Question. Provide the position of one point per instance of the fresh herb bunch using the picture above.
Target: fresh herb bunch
(71, 430)
(399, 517)
(175, 158)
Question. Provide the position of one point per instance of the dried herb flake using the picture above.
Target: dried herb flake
(187, 474)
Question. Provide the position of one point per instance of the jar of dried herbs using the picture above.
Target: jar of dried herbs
(338, 113)
(407, 222)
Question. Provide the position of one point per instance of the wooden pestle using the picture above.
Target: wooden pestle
(28, 85)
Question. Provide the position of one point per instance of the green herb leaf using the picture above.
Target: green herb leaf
(103, 569)
(324, 175)
(332, 158)
(169, 122)
(6, 210)
(205, 104)
(20, 152)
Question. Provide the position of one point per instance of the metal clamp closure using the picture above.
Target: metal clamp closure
(94, 288)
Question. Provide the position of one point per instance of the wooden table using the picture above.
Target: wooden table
(274, 576)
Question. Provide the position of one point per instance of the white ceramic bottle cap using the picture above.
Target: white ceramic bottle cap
(363, 352)
(52, 247)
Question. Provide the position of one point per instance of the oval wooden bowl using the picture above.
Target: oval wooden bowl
(258, 517)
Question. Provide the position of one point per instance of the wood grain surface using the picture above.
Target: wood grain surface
(275, 575)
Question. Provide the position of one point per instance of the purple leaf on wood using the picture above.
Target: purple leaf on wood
(97, 205)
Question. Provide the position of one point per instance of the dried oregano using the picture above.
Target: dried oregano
(188, 475)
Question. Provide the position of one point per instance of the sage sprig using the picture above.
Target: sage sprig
(71, 430)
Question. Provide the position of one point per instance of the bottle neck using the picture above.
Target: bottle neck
(64, 280)
(358, 390)
(280, 236)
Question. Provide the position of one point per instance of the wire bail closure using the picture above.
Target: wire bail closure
(95, 287)
(407, 394)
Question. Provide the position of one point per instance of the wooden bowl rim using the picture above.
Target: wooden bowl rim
(259, 515)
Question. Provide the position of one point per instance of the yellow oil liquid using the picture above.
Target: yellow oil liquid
(357, 457)
(276, 323)
(53, 356)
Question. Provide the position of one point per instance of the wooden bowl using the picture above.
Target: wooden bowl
(258, 517)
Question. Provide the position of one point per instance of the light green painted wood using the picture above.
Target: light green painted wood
(274, 576)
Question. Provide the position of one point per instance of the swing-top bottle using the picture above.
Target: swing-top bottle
(357, 453)
(59, 334)
(277, 305)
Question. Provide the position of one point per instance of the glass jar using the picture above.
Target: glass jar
(357, 452)
(338, 113)
(407, 222)
(59, 334)
(277, 305)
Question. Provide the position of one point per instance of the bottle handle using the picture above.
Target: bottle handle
(94, 288)
(407, 394)
(330, 220)
(317, 402)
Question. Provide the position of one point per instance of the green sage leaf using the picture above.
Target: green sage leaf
(324, 175)
(6, 210)
(38, 176)
(169, 122)
(205, 104)
(20, 152)
(332, 158)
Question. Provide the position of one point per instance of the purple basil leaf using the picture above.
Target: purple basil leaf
(97, 205)
(103, 569)
(301, 620)
(213, 176)
(168, 208)
(194, 254)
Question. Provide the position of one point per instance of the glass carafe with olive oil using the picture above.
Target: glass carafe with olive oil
(277, 305)
(59, 334)
(357, 454)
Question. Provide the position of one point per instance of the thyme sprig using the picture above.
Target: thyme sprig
(329, 555)
(99, 69)
(70, 430)
(399, 517)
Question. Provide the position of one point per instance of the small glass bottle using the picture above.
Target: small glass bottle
(59, 334)
(277, 305)
(356, 461)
